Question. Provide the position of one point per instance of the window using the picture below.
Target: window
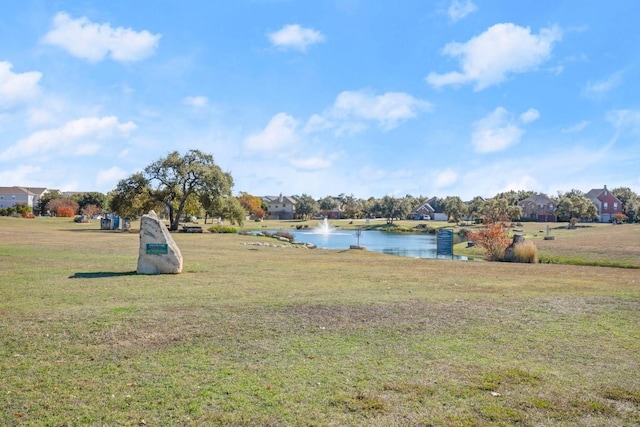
(550, 205)
(605, 205)
(615, 206)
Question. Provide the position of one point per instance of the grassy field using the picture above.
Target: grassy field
(256, 335)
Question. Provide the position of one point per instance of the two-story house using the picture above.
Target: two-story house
(606, 203)
(280, 207)
(30, 196)
(538, 208)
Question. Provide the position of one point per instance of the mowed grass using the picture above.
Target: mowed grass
(255, 335)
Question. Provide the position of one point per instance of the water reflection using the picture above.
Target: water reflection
(399, 244)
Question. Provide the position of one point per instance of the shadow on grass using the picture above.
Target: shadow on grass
(102, 274)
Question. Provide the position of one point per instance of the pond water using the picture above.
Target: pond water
(400, 244)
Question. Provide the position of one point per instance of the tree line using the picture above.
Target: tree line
(194, 185)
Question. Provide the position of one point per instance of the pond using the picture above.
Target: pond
(401, 244)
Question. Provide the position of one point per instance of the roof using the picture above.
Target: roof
(37, 191)
(280, 199)
(538, 199)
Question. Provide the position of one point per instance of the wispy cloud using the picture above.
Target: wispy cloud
(490, 57)
(196, 101)
(459, 9)
(295, 37)
(94, 42)
(601, 87)
(578, 127)
(17, 87)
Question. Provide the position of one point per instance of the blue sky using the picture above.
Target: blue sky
(371, 98)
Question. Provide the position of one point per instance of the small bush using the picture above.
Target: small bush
(66, 212)
(223, 229)
(28, 215)
(525, 252)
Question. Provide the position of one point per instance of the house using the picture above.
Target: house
(424, 211)
(606, 203)
(538, 208)
(30, 196)
(280, 207)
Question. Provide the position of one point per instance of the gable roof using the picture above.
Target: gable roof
(34, 191)
(596, 192)
(280, 199)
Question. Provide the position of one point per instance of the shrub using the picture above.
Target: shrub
(493, 238)
(28, 215)
(66, 211)
(525, 252)
(223, 229)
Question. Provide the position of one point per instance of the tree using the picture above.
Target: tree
(306, 206)
(132, 197)
(90, 198)
(63, 206)
(253, 205)
(475, 207)
(171, 180)
(498, 210)
(328, 203)
(574, 204)
(392, 208)
(630, 203)
(455, 208)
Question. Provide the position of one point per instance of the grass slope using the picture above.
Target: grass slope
(255, 335)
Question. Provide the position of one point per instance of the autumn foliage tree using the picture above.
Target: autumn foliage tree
(252, 204)
(62, 207)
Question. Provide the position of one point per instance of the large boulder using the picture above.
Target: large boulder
(159, 253)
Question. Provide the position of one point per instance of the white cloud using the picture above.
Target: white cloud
(77, 137)
(17, 87)
(625, 120)
(529, 116)
(196, 101)
(503, 49)
(312, 163)
(599, 88)
(445, 178)
(109, 177)
(279, 132)
(20, 175)
(577, 127)
(353, 109)
(295, 37)
(460, 8)
(496, 132)
(93, 42)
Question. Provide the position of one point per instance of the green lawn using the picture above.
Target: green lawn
(255, 335)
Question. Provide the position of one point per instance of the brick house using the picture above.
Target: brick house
(424, 211)
(538, 208)
(606, 203)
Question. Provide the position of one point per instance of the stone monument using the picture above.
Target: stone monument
(158, 252)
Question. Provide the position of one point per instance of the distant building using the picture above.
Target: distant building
(538, 208)
(606, 203)
(280, 207)
(30, 196)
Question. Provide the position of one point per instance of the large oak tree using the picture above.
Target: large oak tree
(173, 180)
